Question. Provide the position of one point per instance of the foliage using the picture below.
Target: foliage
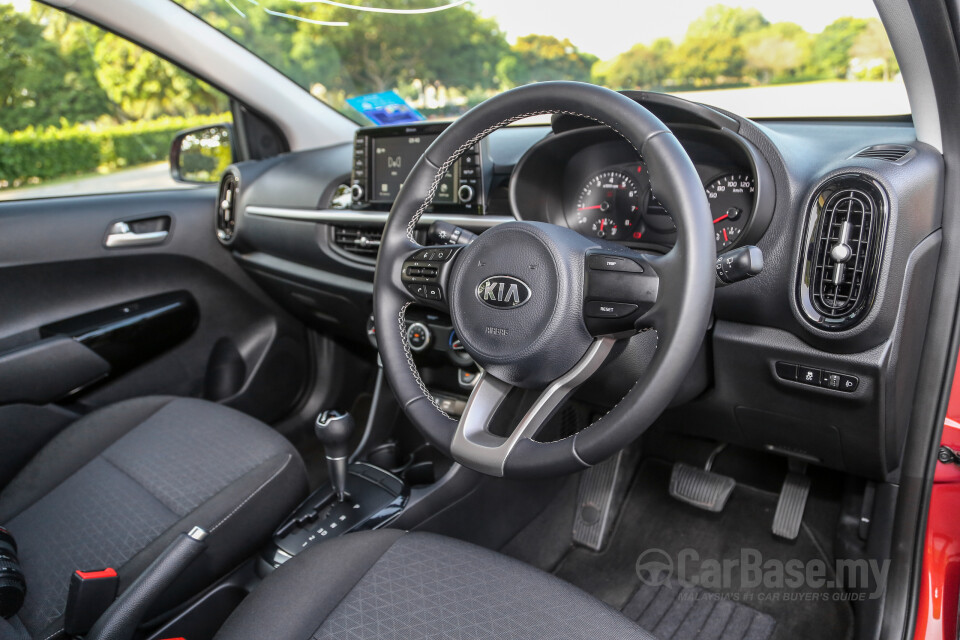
(53, 152)
(536, 58)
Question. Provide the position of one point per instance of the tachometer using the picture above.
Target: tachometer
(731, 201)
(608, 206)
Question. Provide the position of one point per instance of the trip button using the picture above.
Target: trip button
(609, 309)
(613, 263)
(808, 375)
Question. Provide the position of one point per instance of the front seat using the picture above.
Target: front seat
(391, 585)
(118, 485)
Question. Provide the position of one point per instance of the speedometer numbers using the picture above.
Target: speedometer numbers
(609, 206)
(731, 201)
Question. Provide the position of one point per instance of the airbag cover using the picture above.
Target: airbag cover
(526, 338)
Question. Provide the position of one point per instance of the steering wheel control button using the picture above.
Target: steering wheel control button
(609, 309)
(613, 263)
(419, 290)
(433, 292)
(418, 336)
(467, 379)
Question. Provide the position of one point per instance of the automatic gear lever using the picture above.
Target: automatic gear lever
(333, 429)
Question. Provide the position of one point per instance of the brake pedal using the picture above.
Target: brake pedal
(602, 489)
(700, 488)
(791, 504)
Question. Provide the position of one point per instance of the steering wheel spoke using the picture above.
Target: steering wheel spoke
(425, 275)
(474, 443)
(620, 288)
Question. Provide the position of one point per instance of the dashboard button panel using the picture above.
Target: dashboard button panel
(815, 377)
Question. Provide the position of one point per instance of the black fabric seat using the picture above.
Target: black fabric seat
(391, 585)
(115, 487)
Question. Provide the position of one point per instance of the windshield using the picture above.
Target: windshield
(765, 58)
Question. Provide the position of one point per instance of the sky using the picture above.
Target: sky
(608, 27)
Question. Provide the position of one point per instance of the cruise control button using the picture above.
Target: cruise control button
(609, 309)
(613, 263)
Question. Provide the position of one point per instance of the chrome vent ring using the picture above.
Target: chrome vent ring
(226, 207)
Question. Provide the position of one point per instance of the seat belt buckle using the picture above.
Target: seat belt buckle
(91, 593)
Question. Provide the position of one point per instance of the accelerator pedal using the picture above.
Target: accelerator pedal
(601, 491)
(792, 502)
(701, 488)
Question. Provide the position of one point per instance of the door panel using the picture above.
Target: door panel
(172, 316)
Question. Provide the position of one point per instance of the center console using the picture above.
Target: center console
(373, 498)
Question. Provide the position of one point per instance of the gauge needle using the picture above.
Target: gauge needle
(725, 238)
(596, 206)
(723, 217)
(601, 224)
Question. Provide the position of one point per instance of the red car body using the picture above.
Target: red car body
(940, 587)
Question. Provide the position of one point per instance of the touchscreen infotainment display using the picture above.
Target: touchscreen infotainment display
(393, 158)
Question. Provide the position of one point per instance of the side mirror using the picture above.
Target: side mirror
(201, 155)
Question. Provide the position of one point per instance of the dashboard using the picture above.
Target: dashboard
(815, 358)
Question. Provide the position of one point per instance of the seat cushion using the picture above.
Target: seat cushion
(390, 585)
(114, 488)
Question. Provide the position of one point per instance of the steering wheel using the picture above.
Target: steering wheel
(541, 307)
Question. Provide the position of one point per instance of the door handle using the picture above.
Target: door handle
(121, 235)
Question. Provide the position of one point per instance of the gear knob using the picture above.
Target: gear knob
(334, 429)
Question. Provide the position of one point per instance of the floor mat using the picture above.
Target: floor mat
(673, 611)
(651, 521)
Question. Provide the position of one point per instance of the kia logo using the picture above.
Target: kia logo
(503, 292)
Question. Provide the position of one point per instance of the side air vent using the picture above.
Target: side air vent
(227, 207)
(360, 242)
(843, 242)
(888, 152)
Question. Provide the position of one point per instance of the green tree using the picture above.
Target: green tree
(712, 50)
(641, 67)
(379, 52)
(44, 77)
(146, 86)
(777, 52)
(872, 50)
(535, 58)
(830, 52)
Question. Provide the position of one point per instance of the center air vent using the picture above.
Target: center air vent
(888, 152)
(843, 241)
(227, 207)
(360, 242)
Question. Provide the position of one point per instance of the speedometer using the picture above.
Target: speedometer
(608, 206)
(731, 202)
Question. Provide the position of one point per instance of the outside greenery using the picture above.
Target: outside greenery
(75, 100)
(457, 57)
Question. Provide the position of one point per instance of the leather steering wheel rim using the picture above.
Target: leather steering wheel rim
(680, 313)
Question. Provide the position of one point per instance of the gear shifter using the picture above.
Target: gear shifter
(333, 429)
